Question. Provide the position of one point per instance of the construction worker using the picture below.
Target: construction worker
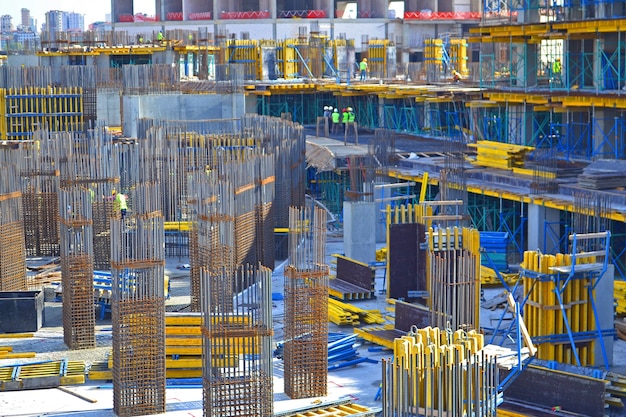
(119, 203)
(351, 122)
(456, 76)
(556, 72)
(335, 120)
(344, 118)
(363, 68)
(324, 121)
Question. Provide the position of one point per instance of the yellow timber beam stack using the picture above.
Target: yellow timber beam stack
(500, 155)
(183, 348)
(347, 314)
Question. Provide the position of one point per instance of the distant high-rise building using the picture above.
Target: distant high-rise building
(54, 21)
(60, 21)
(26, 22)
(75, 22)
(6, 23)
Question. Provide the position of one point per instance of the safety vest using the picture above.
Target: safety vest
(335, 117)
(120, 201)
(556, 67)
(345, 117)
(351, 117)
(363, 65)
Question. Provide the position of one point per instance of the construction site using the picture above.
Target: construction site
(187, 229)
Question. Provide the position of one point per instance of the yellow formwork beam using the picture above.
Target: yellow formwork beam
(370, 335)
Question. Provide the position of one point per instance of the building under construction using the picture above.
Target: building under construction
(494, 144)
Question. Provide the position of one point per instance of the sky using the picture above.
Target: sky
(94, 10)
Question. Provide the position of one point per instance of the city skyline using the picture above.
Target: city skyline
(93, 11)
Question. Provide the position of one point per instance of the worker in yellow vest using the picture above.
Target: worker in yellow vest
(119, 203)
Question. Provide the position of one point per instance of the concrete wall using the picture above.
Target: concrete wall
(359, 230)
(108, 108)
(179, 107)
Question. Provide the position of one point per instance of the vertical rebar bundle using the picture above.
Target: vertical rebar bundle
(214, 227)
(138, 304)
(590, 214)
(264, 210)
(306, 305)
(39, 184)
(88, 161)
(237, 330)
(454, 261)
(437, 372)
(77, 267)
(12, 249)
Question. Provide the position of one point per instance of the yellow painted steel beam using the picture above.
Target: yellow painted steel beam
(15, 335)
(16, 355)
(180, 226)
(183, 341)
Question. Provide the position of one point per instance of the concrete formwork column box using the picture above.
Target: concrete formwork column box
(21, 311)
(359, 230)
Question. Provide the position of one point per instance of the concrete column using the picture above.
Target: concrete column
(538, 217)
(359, 230)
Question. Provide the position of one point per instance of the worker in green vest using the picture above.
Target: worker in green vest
(119, 203)
(556, 72)
(335, 119)
(363, 68)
